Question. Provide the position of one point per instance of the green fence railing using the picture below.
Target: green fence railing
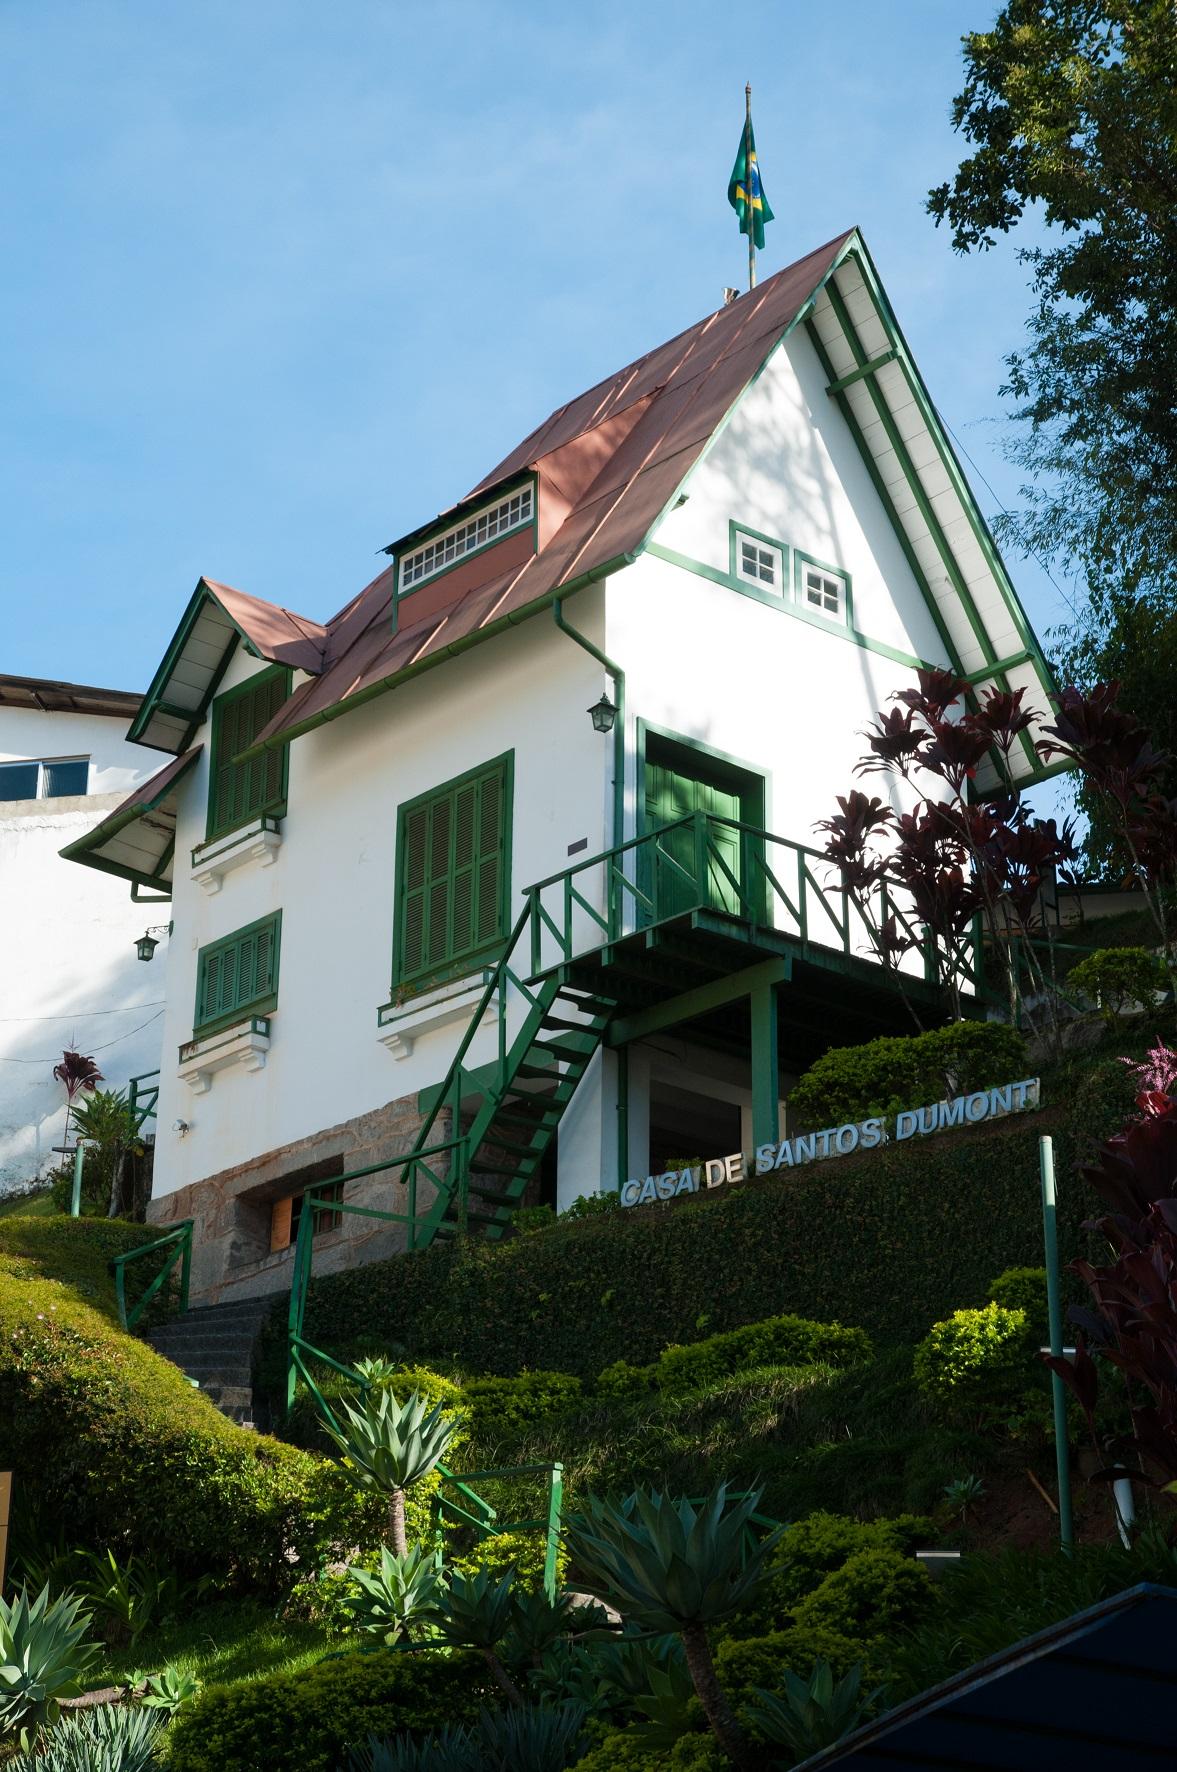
(179, 1242)
(143, 1097)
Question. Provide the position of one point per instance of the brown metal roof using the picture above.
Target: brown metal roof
(607, 465)
(49, 696)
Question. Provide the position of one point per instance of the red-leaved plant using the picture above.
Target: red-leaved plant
(77, 1073)
(957, 858)
(1132, 1324)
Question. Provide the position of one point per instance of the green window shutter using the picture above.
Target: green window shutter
(238, 974)
(453, 872)
(241, 791)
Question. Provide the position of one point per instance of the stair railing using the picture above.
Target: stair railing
(179, 1241)
(143, 1097)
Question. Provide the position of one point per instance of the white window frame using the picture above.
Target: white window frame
(462, 539)
(765, 550)
(42, 763)
(828, 578)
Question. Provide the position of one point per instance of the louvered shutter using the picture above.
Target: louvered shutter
(239, 974)
(453, 864)
(241, 791)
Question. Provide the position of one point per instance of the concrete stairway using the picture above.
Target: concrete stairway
(214, 1345)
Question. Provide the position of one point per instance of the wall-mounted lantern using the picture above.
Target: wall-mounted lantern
(602, 714)
(149, 940)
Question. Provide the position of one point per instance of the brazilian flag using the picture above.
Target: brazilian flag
(745, 192)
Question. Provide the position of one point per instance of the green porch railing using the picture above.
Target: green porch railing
(143, 1097)
(179, 1241)
(705, 863)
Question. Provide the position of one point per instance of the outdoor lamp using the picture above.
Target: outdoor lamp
(148, 941)
(602, 714)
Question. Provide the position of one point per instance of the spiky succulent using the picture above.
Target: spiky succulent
(667, 1564)
(388, 1445)
(109, 1738)
(402, 1591)
(806, 1715)
(44, 1657)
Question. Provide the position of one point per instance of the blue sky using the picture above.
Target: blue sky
(282, 280)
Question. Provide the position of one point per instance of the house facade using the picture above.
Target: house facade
(500, 884)
(68, 968)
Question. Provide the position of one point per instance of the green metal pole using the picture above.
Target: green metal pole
(75, 1204)
(765, 1066)
(622, 1116)
(552, 1550)
(1054, 1308)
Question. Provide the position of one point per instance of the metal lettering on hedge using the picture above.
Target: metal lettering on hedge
(836, 1141)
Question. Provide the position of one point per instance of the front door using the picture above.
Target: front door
(681, 781)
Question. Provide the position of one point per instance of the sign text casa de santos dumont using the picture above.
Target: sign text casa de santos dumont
(836, 1141)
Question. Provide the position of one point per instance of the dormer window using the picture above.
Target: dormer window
(466, 538)
(759, 563)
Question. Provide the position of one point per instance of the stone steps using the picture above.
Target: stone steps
(213, 1345)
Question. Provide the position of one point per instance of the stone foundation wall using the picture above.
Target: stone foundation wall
(231, 1255)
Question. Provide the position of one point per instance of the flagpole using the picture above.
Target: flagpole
(748, 186)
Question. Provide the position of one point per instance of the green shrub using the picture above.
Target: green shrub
(815, 1547)
(627, 1751)
(623, 1380)
(778, 1341)
(304, 1425)
(975, 1360)
(1023, 1289)
(746, 1663)
(875, 1594)
(853, 1083)
(527, 1220)
(1118, 979)
(523, 1552)
(497, 1408)
(115, 1442)
(306, 1722)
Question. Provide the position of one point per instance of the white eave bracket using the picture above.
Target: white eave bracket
(402, 1024)
(259, 841)
(241, 1047)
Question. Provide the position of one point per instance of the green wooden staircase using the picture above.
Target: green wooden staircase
(519, 1112)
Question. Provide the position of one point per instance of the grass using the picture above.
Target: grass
(219, 1642)
(28, 1206)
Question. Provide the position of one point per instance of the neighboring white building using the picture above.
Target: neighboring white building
(69, 975)
(750, 539)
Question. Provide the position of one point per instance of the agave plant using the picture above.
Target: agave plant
(167, 1690)
(109, 1738)
(44, 1657)
(479, 1614)
(668, 1565)
(403, 1591)
(131, 1595)
(516, 1740)
(814, 1713)
(377, 1369)
(537, 1623)
(387, 1446)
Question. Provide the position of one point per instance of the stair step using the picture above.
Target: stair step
(491, 1141)
(563, 1049)
(536, 1124)
(573, 1027)
(490, 1199)
(532, 1070)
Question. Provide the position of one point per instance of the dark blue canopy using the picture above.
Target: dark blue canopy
(1098, 1690)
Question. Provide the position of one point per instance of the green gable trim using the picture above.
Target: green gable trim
(453, 876)
(155, 700)
(787, 605)
(238, 975)
(239, 792)
(82, 849)
(948, 456)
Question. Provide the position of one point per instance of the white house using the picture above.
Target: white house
(424, 907)
(69, 975)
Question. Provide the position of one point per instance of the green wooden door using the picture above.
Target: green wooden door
(673, 793)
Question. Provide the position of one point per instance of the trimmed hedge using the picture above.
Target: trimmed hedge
(306, 1722)
(778, 1341)
(889, 1240)
(115, 1444)
(854, 1082)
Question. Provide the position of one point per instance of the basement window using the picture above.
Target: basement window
(759, 563)
(455, 544)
